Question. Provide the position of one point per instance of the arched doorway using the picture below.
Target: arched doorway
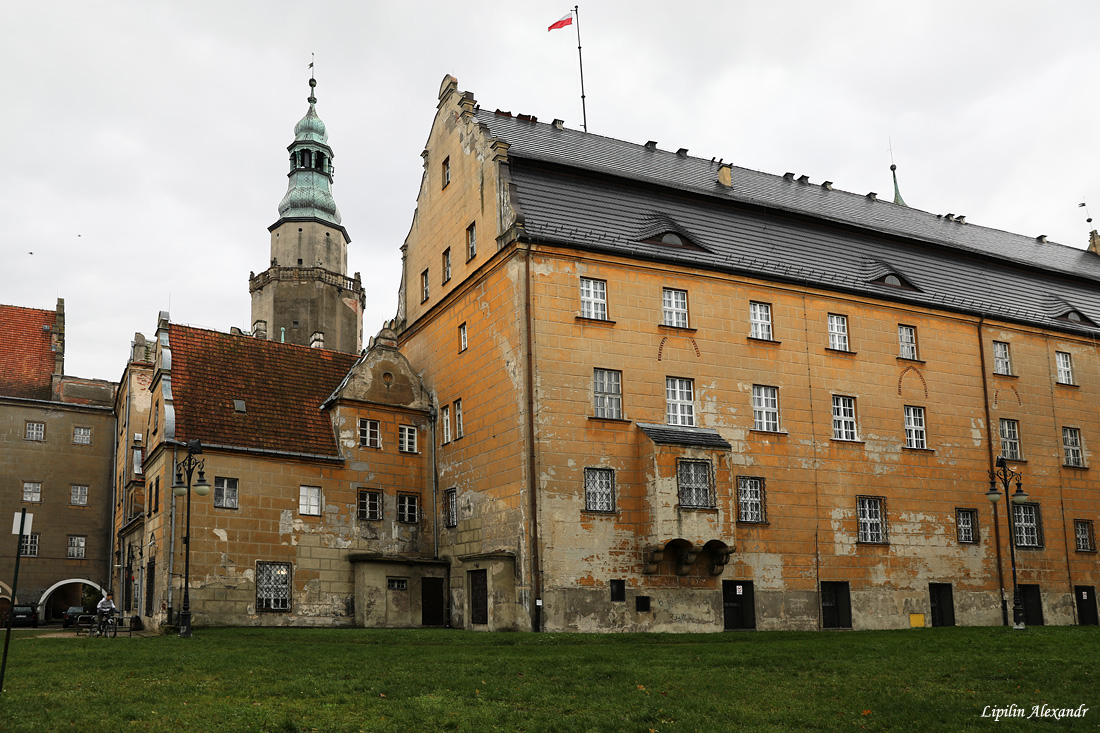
(46, 610)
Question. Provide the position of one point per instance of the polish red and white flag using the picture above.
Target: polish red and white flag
(566, 19)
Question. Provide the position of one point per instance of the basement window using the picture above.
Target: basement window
(397, 583)
(641, 604)
(618, 590)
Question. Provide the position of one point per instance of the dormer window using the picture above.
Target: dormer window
(1075, 317)
(894, 280)
(673, 239)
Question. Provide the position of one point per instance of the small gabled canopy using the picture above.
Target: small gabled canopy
(682, 435)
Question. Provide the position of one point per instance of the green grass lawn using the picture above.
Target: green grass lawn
(237, 679)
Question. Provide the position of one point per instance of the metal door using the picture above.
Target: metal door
(1085, 595)
(738, 605)
(943, 604)
(431, 602)
(479, 596)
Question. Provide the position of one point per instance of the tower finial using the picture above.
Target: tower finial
(312, 99)
(897, 192)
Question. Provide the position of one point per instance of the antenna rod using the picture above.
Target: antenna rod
(580, 61)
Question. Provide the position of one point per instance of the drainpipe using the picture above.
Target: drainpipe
(171, 538)
(536, 563)
(992, 463)
(432, 413)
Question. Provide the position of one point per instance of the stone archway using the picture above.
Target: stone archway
(41, 605)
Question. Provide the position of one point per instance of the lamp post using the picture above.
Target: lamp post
(1006, 475)
(188, 467)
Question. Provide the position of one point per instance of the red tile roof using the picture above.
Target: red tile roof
(282, 386)
(26, 356)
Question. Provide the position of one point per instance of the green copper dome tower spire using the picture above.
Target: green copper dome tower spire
(308, 193)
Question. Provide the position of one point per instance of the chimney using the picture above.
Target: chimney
(1094, 242)
(651, 145)
(725, 175)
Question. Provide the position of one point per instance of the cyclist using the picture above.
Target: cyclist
(105, 609)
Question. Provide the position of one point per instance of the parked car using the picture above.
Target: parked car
(72, 613)
(24, 616)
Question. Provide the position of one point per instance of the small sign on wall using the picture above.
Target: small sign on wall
(26, 525)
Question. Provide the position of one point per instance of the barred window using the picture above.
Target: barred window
(750, 499)
(765, 408)
(693, 481)
(966, 525)
(1071, 447)
(78, 495)
(225, 492)
(408, 508)
(680, 401)
(29, 546)
(675, 308)
(406, 439)
(1010, 440)
(309, 500)
(1083, 531)
(369, 506)
(1065, 367)
(370, 434)
(273, 586)
(82, 435)
(35, 431)
(915, 436)
(32, 491)
(450, 508)
(872, 519)
(1028, 525)
(760, 321)
(607, 387)
(76, 546)
(844, 418)
(838, 332)
(599, 489)
(593, 299)
(907, 342)
(1002, 358)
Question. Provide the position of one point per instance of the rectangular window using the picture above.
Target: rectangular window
(915, 435)
(618, 590)
(32, 491)
(693, 482)
(966, 525)
(76, 546)
(680, 401)
(370, 434)
(1010, 440)
(447, 264)
(450, 508)
(445, 418)
(760, 321)
(607, 387)
(750, 499)
(397, 583)
(78, 495)
(844, 418)
(838, 332)
(309, 501)
(424, 289)
(406, 439)
(82, 435)
(29, 546)
(408, 508)
(765, 408)
(272, 586)
(137, 461)
(225, 492)
(907, 342)
(1071, 447)
(593, 299)
(369, 506)
(35, 431)
(471, 241)
(1028, 524)
(872, 519)
(1002, 359)
(1083, 531)
(460, 426)
(675, 308)
(446, 172)
(599, 489)
(1065, 367)
(462, 343)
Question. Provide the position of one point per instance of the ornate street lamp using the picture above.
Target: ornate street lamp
(202, 487)
(1006, 475)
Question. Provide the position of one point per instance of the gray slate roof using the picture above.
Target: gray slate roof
(679, 435)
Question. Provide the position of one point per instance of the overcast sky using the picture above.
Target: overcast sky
(143, 144)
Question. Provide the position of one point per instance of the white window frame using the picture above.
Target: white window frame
(471, 241)
(77, 548)
(760, 320)
(916, 431)
(765, 408)
(607, 393)
(78, 495)
(966, 526)
(680, 401)
(408, 508)
(445, 420)
(674, 308)
(872, 519)
(274, 585)
(447, 264)
(82, 435)
(593, 299)
(1010, 439)
(34, 431)
(838, 332)
(406, 438)
(32, 492)
(225, 492)
(29, 545)
(450, 508)
(694, 484)
(1084, 535)
(1065, 367)
(844, 418)
(751, 505)
(310, 501)
(907, 342)
(368, 505)
(462, 342)
(425, 286)
(1002, 358)
(460, 423)
(370, 433)
(1071, 447)
(1027, 525)
(599, 490)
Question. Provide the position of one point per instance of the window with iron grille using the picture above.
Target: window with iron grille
(599, 489)
(1071, 447)
(966, 525)
(765, 408)
(593, 299)
(445, 419)
(76, 546)
(78, 495)
(1028, 524)
(447, 264)
(471, 242)
(273, 586)
(1065, 367)
(29, 545)
(1002, 358)
(1010, 440)
(844, 418)
(406, 439)
(82, 435)
(915, 435)
(607, 387)
(369, 506)
(872, 519)
(693, 482)
(462, 343)
(450, 508)
(424, 286)
(309, 501)
(680, 397)
(675, 308)
(1083, 531)
(907, 342)
(750, 499)
(32, 491)
(35, 431)
(838, 332)
(460, 425)
(408, 508)
(760, 321)
(370, 433)
(225, 492)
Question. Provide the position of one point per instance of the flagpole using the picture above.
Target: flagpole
(580, 60)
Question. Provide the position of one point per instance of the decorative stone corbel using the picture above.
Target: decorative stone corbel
(652, 557)
(684, 559)
(719, 559)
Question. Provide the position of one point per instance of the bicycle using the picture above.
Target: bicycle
(105, 626)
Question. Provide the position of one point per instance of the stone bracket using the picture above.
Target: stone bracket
(652, 557)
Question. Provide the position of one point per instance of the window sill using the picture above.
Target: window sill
(1006, 376)
(676, 329)
(1086, 552)
(471, 259)
(601, 512)
(601, 321)
(841, 351)
(226, 508)
(621, 420)
(1075, 468)
(372, 447)
(1015, 460)
(763, 341)
(1071, 385)
(843, 441)
(705, 509)
(747, 523)
(914, 361)
(776, 433)
(868, 543)
(918, 450)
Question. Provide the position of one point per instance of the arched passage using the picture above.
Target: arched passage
(41, 606)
